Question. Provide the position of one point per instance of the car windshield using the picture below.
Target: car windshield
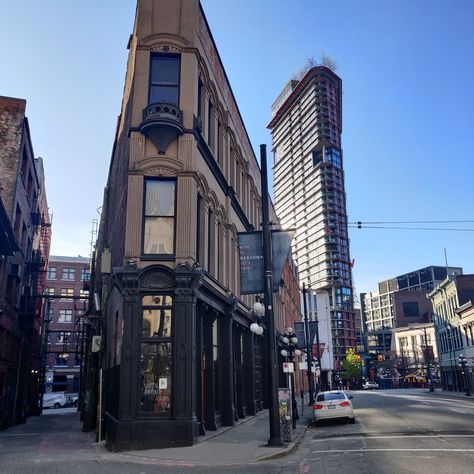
(324, 397)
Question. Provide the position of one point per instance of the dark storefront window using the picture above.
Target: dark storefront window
(156, 355)
(158, 236)
(164, 79)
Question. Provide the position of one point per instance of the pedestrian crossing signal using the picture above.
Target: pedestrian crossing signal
(380, 357)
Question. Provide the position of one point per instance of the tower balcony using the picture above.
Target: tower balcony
(162, 123)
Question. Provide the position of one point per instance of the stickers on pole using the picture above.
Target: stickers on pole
(288, 367)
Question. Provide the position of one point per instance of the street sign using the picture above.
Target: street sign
(303, 365)
(288, 367)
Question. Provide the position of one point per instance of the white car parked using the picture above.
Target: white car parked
(370, 385)
(333, 404)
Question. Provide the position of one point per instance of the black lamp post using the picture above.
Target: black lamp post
(289, 348)
(428, 362)
(275, 429)
(462, 363)
(308, 347)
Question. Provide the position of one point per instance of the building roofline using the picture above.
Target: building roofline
(464, 307)
(68, 259)
(296, 91)
(228, 83)
(412, 326)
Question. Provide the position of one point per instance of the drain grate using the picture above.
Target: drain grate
(351, 455)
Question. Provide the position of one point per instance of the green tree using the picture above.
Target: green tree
(352, 364)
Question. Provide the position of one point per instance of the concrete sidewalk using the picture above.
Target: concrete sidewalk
(446, 393)
(57, 435)
(240, 444)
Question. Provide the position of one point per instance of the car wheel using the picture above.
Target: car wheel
(352, 420)
(57, 405)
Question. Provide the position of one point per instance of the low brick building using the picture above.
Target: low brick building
(67, 279)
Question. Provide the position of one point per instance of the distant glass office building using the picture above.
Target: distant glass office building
(309, 192)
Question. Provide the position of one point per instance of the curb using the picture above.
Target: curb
(442, 393)
(288, 449)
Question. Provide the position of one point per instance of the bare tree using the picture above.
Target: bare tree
(328, 62)
(311, 62)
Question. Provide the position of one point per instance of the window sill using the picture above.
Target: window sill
(158, 257)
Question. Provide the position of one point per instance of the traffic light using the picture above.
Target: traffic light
(380, 357)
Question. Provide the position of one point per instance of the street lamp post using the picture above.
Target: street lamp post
(462, 363)
(317, 373)
(308, 342)
(289, 344)
(308, 347)
(427, 362)
(275, 429)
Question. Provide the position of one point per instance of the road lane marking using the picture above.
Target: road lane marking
(426, 403)
(458, 411)
(325, 451)
(393, 437)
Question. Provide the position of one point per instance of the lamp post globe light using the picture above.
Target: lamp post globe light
(289, 349)
(462, 361)
(258, 317)
(316, 369)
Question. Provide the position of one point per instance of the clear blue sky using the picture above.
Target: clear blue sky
(408, 72)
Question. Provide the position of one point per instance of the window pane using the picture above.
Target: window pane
(159, 232)
(164, 70)
(157, 300)
(68, 274)
(164, 94)
(155, 378)
(156, 323)
(52, 273)
(331, 396)
(159, 198)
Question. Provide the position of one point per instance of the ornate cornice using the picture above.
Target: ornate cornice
(157, 278)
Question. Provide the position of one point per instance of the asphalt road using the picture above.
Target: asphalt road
(395, 432)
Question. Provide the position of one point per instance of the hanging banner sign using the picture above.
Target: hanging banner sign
(299, 328)
(281, 242)
(251, 263)
(314, 349)
(251, 259)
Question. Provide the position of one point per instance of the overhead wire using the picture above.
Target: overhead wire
(362, 226)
